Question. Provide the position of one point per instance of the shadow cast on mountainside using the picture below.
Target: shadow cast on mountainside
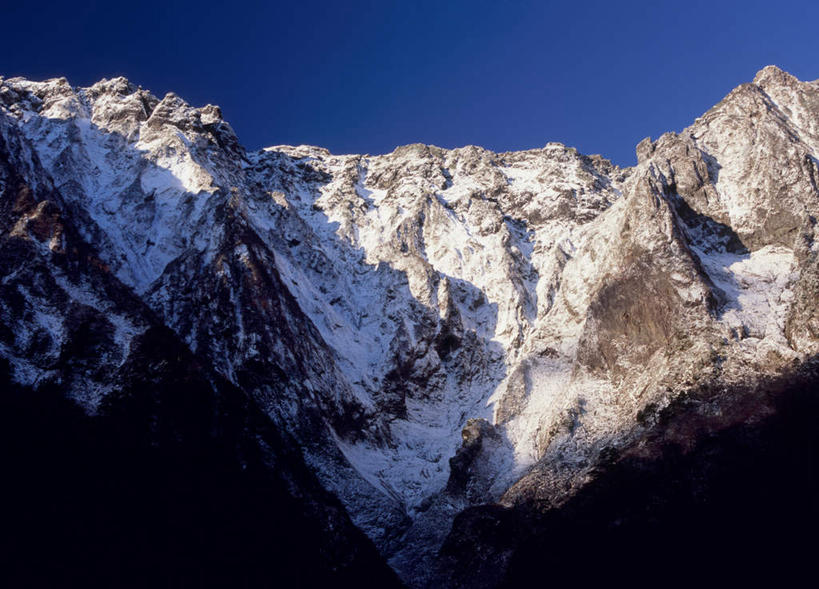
(167, 486)
(727, 497)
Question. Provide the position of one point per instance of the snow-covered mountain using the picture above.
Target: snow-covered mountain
(434, 329)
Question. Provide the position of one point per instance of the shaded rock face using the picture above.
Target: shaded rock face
(403, 338)
(175, 480)
(475, 466)
(707, 494)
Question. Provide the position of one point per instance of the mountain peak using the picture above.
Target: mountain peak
(119, 85)
(773, 75)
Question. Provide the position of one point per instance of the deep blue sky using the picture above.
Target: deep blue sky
(366, 76)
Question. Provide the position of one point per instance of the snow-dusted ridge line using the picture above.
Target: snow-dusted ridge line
(373, 305)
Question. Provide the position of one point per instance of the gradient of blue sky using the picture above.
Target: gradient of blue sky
(365, 76)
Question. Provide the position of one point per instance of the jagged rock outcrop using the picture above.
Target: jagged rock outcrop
(435, 329)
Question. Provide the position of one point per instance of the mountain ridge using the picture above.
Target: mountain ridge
(436, 329)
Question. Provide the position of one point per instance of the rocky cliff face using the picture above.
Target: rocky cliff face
(434, 329)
